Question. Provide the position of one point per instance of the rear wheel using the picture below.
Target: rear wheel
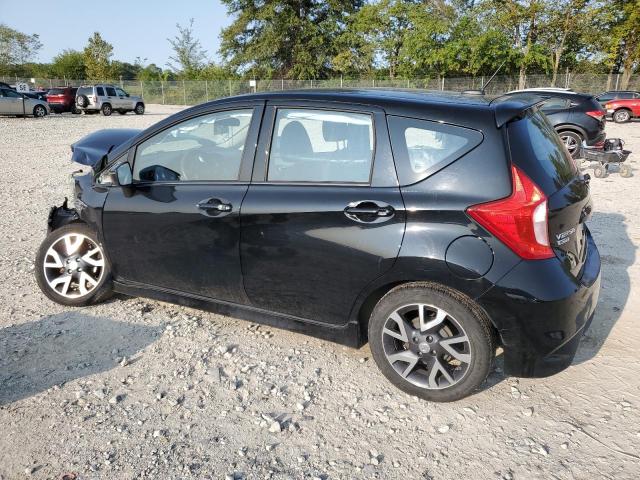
(622, 116)
(106, 109)
(71, 266)
(431, 342)
(572, 141)
(600, 172)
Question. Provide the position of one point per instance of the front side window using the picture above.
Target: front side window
(205, 148)
(421, 147)
(121, 92)
(321, 146)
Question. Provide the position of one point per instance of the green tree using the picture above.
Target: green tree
(16, 48)
(624, 42)
(189, 57)
(284, 38)
(97, 58)
(69, 64)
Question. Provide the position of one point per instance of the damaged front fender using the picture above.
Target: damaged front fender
(61, 216)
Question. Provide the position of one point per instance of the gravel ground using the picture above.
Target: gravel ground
(141, 389)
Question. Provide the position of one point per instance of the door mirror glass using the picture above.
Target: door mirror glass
(124, 175)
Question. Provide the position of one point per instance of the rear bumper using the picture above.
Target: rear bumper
(541, 313)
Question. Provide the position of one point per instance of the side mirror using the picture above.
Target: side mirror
(123, 174)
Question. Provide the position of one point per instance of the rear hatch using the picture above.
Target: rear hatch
(56, 95)
(538, 151)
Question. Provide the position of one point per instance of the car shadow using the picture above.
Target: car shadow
(617, 254)
(35, 356)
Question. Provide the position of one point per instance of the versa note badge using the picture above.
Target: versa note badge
(563, 237)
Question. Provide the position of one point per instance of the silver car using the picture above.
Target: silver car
(107, 99)
(14, 103)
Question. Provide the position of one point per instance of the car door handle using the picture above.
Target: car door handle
(368, 211)
(215, 205)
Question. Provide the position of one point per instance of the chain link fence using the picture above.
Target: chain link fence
(191, 92)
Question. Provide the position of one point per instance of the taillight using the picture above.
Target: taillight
(597, 114)
(520, 220)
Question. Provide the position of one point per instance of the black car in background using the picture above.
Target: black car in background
(434, 226)
(577, 117)
(605, 97)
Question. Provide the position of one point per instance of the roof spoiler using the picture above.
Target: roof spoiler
(508, 108)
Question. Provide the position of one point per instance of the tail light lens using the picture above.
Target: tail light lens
(520, 220)
(597, 114)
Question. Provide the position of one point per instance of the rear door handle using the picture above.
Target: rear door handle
(369, 211)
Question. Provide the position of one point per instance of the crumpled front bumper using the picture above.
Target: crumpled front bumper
(61, 216)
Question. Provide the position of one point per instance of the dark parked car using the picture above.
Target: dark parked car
(606, 97)
(434, 226)
(577, 117)
(63, 99)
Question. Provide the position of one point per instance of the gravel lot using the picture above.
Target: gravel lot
(141, 389)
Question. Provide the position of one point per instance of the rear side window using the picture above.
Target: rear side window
(100, 91)
(321, 146)
(555, 103)
(537, 149)
(422, 147)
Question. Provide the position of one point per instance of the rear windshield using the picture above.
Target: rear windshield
(56, 91)
(85, 91)
(539, 152)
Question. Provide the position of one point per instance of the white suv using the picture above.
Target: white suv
(107, 99)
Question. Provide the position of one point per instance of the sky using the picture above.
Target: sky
(135, 28)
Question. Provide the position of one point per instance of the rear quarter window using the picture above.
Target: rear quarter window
(539, 152)
(422, 147)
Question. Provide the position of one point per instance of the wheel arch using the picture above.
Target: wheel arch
(570, 127)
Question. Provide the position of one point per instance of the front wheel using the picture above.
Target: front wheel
(622, 116)
(71, 266)
(139, 110)
(39, 111)
(431, 342)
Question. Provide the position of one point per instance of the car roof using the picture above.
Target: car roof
(550, 92)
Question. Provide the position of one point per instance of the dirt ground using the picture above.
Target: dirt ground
(141, 389)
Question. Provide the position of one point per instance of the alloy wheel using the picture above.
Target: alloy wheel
(39, 111)
(622, 116)
(570, 142)
(426, 346)
(73, 265)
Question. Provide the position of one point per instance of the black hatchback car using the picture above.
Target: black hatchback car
(435, 226)
(577, 117)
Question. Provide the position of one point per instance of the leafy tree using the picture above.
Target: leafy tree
(69, 64)
(189, 57)
(126, 70)
(97, 58)
(624, 42)
(16, 48)
(150, 73)
(284, 38)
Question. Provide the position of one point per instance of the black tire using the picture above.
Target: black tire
(75, 110)
(82, 101)
(472, 319)
(573, 141)
(621, 116)
(139, 109)
(98, 292)
(625, 171)
(106, 109)
(599, 171)
(39, 111)
(122, 112)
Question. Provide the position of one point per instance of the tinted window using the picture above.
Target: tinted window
(554, 103)
(111, 92)
(422, 147)
(199, 149)
(321, 146)
(537, 149)
(625, 95)
(99, 91)
(12, 94)
(57, 91)
(605, 97)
